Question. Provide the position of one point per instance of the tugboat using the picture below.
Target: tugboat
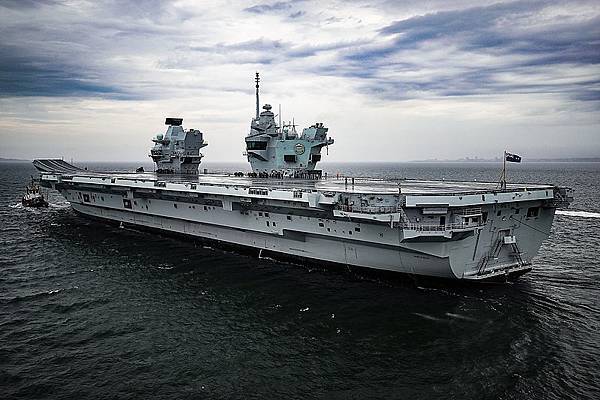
(33, 197)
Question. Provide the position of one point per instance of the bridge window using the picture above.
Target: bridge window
(127, 203)
(291, 158)
(262, 192)
(256, 145)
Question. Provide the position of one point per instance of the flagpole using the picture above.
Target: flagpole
(503, 182)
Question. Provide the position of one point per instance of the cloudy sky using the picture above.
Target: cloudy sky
(393, 80)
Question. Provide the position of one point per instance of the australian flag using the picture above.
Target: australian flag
(512, 157)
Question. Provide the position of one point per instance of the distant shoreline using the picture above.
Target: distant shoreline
(533, 160)
(13, 160)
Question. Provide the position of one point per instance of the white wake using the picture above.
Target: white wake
(574, 213)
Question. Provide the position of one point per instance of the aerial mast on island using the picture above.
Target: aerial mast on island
(257, 101)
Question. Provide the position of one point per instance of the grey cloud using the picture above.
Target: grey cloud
(266, 51)
(60, 51)
(26, 4)
(257, 45)
(65, 58)
(504, 28)
(32, 75)
(500, 31)
(269, 7)
(297, 14)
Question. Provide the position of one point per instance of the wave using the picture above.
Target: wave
(60, 206)
(429, 317)
(576, 213)
(461, 317)
(32, 296)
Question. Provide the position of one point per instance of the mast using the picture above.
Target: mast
(257, 101)
(503, 179)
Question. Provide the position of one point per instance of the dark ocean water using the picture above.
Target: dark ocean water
(88, 310)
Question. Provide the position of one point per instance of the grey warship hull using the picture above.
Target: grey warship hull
(456, 230)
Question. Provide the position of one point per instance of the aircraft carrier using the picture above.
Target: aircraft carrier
(286, 207)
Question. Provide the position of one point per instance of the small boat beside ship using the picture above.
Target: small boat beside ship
(33, 196)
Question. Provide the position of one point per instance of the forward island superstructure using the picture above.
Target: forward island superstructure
(177, 151)
(458, 230)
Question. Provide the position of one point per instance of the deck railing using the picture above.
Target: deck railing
(369, 209)
(468, 211)
(417, 227)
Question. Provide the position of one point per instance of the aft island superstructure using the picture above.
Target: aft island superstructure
(459, 230)
(274, 150)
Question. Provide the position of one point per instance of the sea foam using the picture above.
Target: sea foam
(576, 213)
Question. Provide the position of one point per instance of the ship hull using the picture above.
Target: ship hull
(455, 259)
(311, 247)
(453, 230)
(320, 264)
